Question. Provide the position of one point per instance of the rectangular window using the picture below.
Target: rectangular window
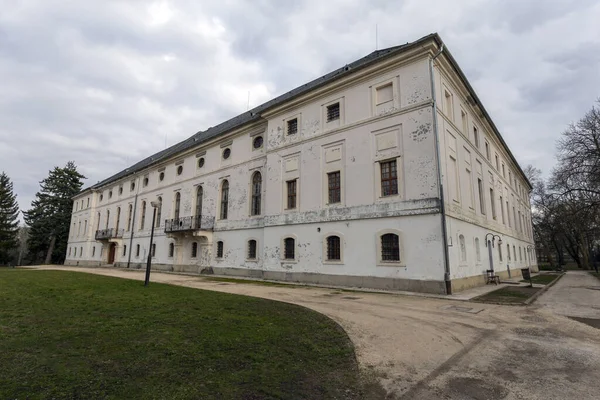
(463, 118)
(476, 136)
(291, 194)
(334, 186)
(497, 163)
(481, 195)
(503, 171)
(502, 210)
(153, 249)
(453, 179)
(333, 112)
(469, 188)
(385, 93)
(292, 126)
(252, 249)
(508, 213)
(219, 249)
(493, 203)
(124, 250)
(508, 251)
(290, 249)
(389, 178)
(487, 150)
(448, 98)
(333, 248)
(137, 250)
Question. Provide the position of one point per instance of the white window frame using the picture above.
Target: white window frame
(282, 250)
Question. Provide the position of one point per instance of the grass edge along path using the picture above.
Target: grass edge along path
(67, 335)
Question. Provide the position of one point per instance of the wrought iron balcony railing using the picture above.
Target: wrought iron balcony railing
(110, 233)
(191, 223)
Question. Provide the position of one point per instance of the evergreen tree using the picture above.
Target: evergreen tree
(50, 215)
(9, 225)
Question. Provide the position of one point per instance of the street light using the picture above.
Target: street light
(493, 239)
(155, 205)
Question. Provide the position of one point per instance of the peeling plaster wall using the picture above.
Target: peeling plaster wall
(368, 132)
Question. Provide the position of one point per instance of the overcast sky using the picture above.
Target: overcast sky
(106, 83)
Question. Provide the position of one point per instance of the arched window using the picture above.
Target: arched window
(177, 205)
(118, 218)
(390, 247)
(520, 254)
(159, 212)
(137, 250)
(463, 248)
(252, 249)
(194, 249)
(508, 251)
(477, 250)
(289, 247)
(143, 219)
(98, 223)
(256, 193)
(219, 249)
(333, 248)
(129, 213)
(107, 218)
(224, 199)
(171, 249)
(124, 250)
(199, 198)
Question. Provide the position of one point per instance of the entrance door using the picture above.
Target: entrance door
(111, 253)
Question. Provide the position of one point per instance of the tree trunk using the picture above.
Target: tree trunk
(50, 250)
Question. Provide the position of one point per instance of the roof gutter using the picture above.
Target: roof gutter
(447, 280)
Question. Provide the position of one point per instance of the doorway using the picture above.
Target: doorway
(111, 253)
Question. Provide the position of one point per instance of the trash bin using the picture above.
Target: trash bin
(526, 273)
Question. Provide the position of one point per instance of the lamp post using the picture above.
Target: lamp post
(155, 205)
(490, 254)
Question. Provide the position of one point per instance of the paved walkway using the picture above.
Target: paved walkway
(577, 294)
(424, 348)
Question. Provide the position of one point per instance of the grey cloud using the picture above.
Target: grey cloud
(102, 84)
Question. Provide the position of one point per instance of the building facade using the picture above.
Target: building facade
(386, 173)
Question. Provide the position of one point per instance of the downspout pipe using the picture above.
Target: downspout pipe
(440, 179)
(132, 229)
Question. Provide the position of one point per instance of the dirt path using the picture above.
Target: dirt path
(422, 348)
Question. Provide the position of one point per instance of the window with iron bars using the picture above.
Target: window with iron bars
(333, 248)
(333, 112)
(390, 247)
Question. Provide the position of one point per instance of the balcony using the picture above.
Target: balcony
(191, 223)
(111, 233)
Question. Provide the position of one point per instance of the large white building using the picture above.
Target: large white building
(386, 173)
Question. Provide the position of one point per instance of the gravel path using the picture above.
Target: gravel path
(424, 348)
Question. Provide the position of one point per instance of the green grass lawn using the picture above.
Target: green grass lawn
(508, 295)
(542, 279)
(67, 335)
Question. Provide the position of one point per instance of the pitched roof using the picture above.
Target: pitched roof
(254, 114)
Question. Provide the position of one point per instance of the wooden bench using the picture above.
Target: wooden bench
(492, 277)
